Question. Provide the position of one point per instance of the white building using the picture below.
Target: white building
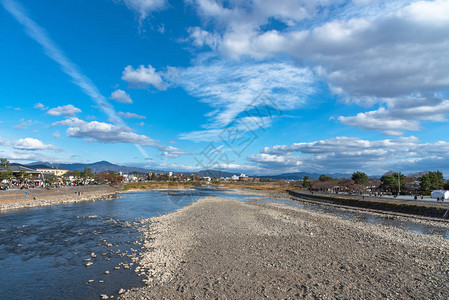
(51, 171)
(234, 177)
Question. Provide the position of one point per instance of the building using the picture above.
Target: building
(33, 177)
(243, 177)
(51, 171)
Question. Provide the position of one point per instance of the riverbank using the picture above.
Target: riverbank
(414, 207)
(14, 199)
(222, 248)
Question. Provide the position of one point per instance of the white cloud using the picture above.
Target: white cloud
(4, 142)
(201, 37)
(66, 110)
(277, 161)
(237, 86)
(56, 135)
(401, 114)
(28, 156)
(38, 34)
(348, 154)
(103, 132)
(145, 7)
(121, 96)
(128, 115)
(40, 106)
(144, 77)
(172, 152)
(32, 144)
(25, 124)
(369, 52)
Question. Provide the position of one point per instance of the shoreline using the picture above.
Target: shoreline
(224, 248)
(40, 197)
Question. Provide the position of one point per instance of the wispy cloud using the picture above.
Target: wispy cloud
(40, 106)
(129, 115)
(38, 34)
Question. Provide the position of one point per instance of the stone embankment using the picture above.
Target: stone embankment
(14, 199)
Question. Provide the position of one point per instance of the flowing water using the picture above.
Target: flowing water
(44, 250)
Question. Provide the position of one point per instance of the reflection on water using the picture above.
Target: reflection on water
(44, 250)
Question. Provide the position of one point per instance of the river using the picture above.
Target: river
(44, 250)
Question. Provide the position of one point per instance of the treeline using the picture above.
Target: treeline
(391, 182)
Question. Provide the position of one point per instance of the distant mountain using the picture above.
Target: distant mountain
(216, 174)
(300, 175)
(97, 167)
(102, 166)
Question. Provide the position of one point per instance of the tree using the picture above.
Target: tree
(23, 176)
(390, 181)
(306, 182)
(446, 185)
(431, 181)
(325, 178)
(360, 178)
(50, 179)
(5, 171)
(87, 174)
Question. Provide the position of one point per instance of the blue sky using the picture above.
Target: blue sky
(261, 87)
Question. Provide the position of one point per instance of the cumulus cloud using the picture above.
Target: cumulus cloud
(40, 106)
(103, 132)
(121, 96)
(66, 110)
(401, 114)
(368, 52)
(347, 154)
(128, 115)
(32, 144)
(144, 77)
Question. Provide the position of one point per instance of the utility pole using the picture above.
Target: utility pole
(399, 183)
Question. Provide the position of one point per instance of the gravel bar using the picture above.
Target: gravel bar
(220, 248)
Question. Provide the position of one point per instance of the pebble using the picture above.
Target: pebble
(89, 264)
(106, 272)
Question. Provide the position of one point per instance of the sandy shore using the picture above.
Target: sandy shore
(225, 249)
(14, 199)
